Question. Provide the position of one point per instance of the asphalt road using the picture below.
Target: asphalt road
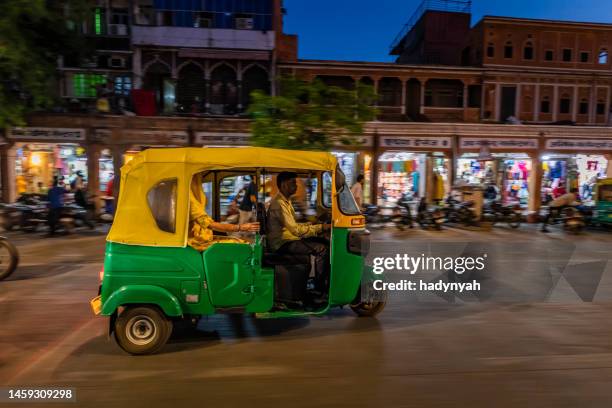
(539, 335)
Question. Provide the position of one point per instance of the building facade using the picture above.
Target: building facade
(523, 104)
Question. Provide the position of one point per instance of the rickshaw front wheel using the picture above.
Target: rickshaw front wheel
(369, 304)
(142, 329)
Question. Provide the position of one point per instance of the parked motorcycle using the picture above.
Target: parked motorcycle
(27, 213)
(403, 214)
(376, 218)
(496, 212)
(9, 258)
(571, 218)
(459, 212)
(430, 217)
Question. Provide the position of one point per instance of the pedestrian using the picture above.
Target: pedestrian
(556, 205)
(82, 200)
(249, 201)
(55, 197)
(357, 190)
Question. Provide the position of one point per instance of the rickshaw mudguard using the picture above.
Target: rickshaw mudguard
(142, 294)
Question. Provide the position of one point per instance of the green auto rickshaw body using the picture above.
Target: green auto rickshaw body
(603, 201)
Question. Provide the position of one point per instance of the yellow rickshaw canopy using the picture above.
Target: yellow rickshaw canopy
(134, 223)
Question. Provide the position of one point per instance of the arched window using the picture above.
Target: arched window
(508, 49)
(223, 90)
(528, 51)
(490, 50)
(190, 89)
(603, 56)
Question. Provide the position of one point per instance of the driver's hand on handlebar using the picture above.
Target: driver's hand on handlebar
(249, 227)
(326, 227)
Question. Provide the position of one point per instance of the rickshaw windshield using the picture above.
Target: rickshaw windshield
(346, 201)
(605, 193)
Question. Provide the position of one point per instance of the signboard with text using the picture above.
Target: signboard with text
(424, 142)
(579, 144)
(498, 143)
(222, 139)
(44, 133)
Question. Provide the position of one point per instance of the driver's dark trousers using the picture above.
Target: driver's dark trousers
(317, 247)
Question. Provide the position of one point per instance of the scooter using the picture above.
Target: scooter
(9, 258)
(375, 218)
(496, 212)
(403, 215)
(572, 219)
(430, 217)
(459, 212)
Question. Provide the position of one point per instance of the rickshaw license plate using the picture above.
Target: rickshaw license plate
(96, 305)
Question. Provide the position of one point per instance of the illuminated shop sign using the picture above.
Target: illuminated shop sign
(43, 133)
(417, 142)
(499, 144)
(579, 144)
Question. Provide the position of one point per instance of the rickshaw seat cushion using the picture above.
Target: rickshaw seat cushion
(274, 259)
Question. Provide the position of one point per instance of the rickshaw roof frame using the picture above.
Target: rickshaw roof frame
(134, 223)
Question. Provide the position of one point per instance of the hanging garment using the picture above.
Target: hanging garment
(438, 187)
(415, 182)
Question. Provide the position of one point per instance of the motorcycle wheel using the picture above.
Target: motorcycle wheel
(9, 258)
(515, 221)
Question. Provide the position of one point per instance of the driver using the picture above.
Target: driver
(286, 236)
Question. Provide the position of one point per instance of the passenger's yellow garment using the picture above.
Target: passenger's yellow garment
(200, 233)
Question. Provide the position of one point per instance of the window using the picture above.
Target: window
(564, 104)
(202, 20)
(567, 54)
(603, 56)
(119, 16)
(508, 50)
(232, 192)
(145, 15)
(548, 55)
(545, 105)
(84, 85)
(123, 85)
(327, 189)
(528, 51)
(167, 18)
(601, 108)
(584, 56)
(346, 201)
(583, 108)
(490, 50)
(162, 203)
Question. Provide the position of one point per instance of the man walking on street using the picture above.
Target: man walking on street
(56, 204)
(248, 203)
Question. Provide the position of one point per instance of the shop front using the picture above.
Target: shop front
(413, 168)
(574, 163)
(501, 166)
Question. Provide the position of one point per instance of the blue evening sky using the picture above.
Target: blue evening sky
(362, 30)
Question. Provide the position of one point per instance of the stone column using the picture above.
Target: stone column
(607, 105)
(137, 68)
(535, 186)
(207, 93)
(592, 104)
(423, 83)
(575, 104)
(8, 159)
(555, 103)
(429, 178)
(518, 102)
(404, 82)
(497, 102)
(465, 95)
(536, 103)
(93, 174)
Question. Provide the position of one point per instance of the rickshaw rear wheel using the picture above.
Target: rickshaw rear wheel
(142, 329)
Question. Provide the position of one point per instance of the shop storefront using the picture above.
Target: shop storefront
(574, 163)
(414, 167)
(501, 164)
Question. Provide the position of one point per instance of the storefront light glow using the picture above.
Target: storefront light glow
(35, 159)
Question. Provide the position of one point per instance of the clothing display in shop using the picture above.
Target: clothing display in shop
(415, 182)
(438, 187)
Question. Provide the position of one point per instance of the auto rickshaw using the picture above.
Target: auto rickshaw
(602, 193)
(152, 279)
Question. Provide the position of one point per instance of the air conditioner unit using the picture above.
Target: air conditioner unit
(116, 62)
(243, 23)
(202, 22)
(117, 29)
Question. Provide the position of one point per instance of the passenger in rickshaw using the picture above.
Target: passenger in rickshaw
(286, 236)
(201, 226)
